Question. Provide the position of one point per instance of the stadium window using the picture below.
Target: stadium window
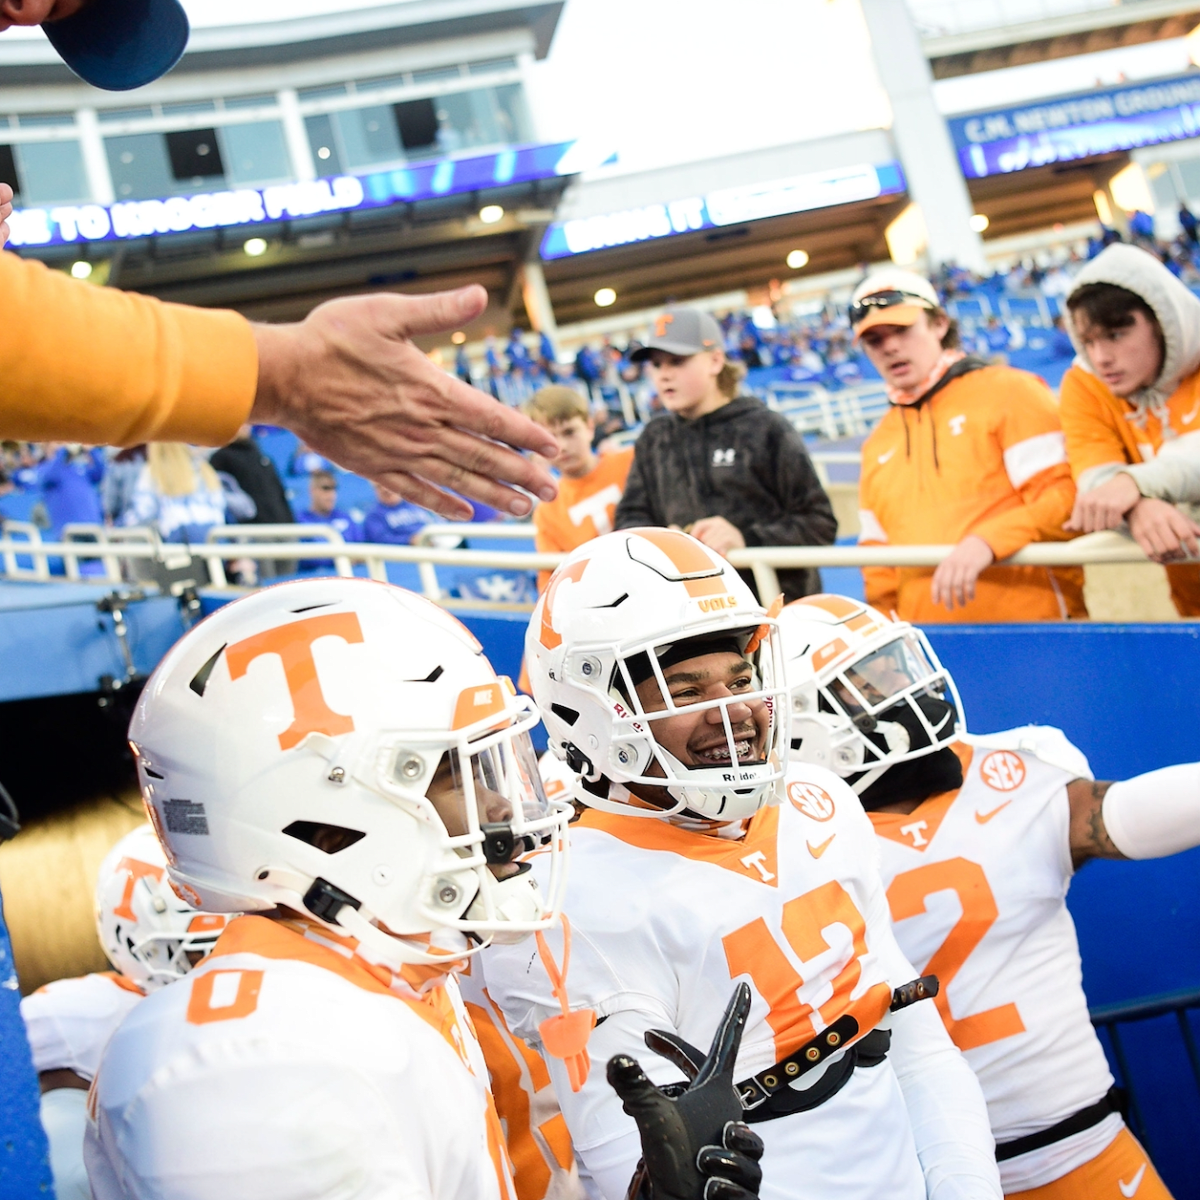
(322, 93)
(1189, 172)
(323, 140)
(195, 155)
(194, 106)
(51, 172)
(512, 114)
(369, 137)
(381, 83)
(8, 169)
(255, 153)
(417, 121)
(437, 74)
(114, 116)
(45, 120)
(491, 65)
(140, 167)
(264, 100)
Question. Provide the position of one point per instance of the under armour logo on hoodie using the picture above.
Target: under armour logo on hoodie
(724, 458)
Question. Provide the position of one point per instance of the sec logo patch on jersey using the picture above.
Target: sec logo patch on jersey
(812, 800)
(1002, 771)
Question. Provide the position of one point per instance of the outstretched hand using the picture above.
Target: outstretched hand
(351, 384)
(695, 1145)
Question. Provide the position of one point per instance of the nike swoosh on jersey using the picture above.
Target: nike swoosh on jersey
(884, 457)
(984, 818)
(817, 851)
(1128, 1189)
(1190, 417)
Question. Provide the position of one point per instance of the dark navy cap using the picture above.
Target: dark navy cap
(121, 44)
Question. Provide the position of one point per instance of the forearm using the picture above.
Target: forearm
(98, 365)
(1155, 814)
(1176, 480)
(605, 1138)
(945, 1108)
(1045, 506)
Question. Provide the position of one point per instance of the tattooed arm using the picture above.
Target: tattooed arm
(1148, 816)
(1089, 835)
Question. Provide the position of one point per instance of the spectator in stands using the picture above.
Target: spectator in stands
(1130, 407)
(591, 485)
(68, 478)
(323, 510)
(394, 520)
(1187, 222)
(243, 460)
(967, 454)
(120, 478)
(723, 467)
(177, 493)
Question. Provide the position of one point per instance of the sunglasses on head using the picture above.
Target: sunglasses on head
(885, 299)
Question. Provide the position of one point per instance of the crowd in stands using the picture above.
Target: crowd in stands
(598, 403)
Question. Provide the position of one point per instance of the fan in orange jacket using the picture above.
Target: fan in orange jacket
(967, 453)
(591, 484)
(1131, 408)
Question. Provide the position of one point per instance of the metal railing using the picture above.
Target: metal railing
(117, 550)
(1108, 1016)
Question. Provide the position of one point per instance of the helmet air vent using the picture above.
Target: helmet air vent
(329, 839)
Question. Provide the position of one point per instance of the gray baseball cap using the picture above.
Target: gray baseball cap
(682, 331)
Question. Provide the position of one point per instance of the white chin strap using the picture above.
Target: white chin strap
(389, 951)
(721, 802)
(516, 901)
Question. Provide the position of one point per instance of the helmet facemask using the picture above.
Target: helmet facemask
(745, 755)
(891, 704)
(167, 955)
(478, 793)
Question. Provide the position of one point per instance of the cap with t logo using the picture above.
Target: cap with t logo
(682, 331)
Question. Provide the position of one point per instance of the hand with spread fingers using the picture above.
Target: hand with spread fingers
(350, 382)
(694, 1144)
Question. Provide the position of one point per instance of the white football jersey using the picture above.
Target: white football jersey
(535, 1133)
(977, 882)
(286, 1067)
(666, 919)
(68, 1022)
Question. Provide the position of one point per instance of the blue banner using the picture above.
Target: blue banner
(1073, 127)
(65, 224)
(730, 206)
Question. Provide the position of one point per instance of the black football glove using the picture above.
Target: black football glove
(694, 1143)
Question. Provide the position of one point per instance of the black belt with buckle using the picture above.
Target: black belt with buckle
(769, 1094)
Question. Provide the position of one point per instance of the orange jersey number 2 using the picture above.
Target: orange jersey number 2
(966, 879)
(753, 950)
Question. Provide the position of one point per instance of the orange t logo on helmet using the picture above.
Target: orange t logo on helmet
(293, 643)
(136, 870)
(574, 572)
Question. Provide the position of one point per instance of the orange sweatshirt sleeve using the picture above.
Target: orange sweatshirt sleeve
(1035, 460)
(1090, 423)
(88, 364)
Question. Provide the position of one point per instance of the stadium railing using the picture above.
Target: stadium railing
(1108, 1017)
(26, 557)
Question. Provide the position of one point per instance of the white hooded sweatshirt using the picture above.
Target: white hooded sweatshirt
(1174, 475)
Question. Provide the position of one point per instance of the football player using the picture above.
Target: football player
(336, 759)
(704, 859)
(151, 937)
(980, 836)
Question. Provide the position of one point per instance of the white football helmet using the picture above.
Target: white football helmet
(866, 692)
(620, 610)
(343, 748)
(148, 932)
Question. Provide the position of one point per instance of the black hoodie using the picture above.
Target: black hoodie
(742, 462)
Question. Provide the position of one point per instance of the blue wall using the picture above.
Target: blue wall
(1126, 695)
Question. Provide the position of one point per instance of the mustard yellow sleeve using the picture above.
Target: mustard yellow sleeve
(1093, 439)
(88, 364)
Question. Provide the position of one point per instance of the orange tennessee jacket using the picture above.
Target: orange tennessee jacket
(985, 456)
